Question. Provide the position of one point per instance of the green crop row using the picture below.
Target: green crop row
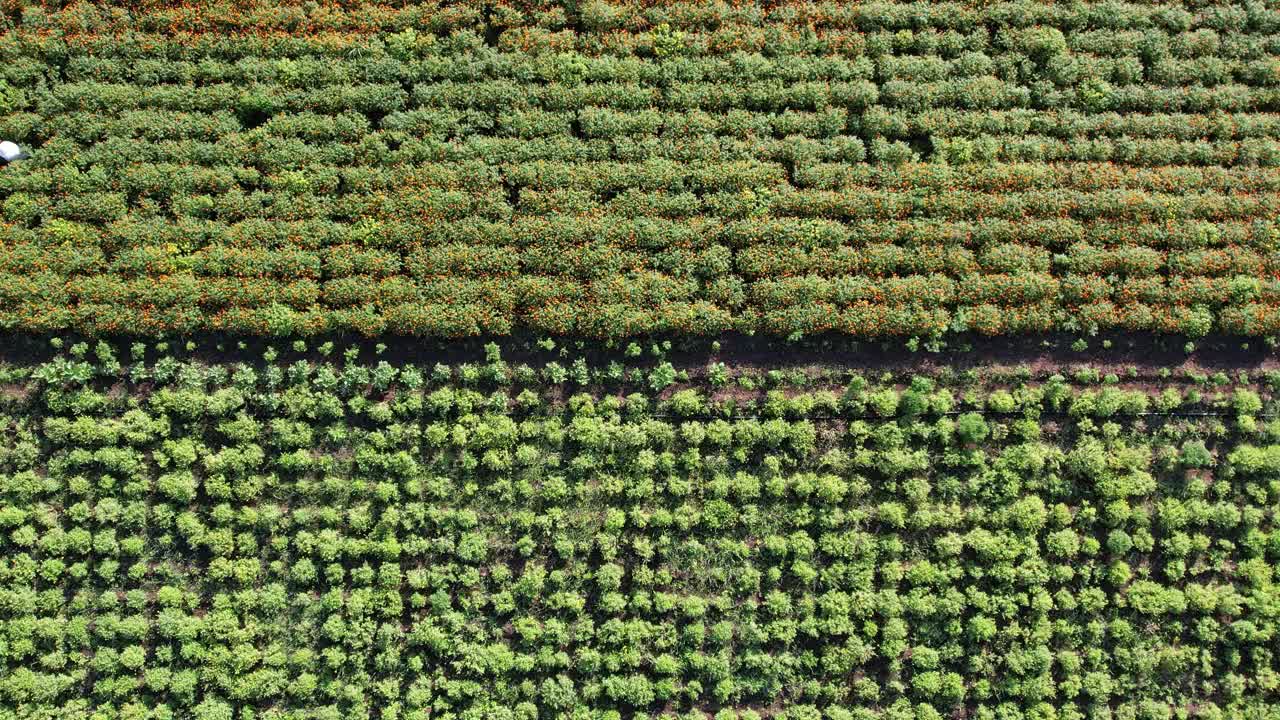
(986, 92)
(588, 261)
(1001, 244)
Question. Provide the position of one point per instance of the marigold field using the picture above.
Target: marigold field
(614, 169)
(613, 359)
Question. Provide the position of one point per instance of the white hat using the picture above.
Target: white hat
(10, 151)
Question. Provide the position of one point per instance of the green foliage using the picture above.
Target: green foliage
(972, 428)
(326, 534)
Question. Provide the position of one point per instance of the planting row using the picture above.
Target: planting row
(697, 27)
(910, 307)
(870, 263)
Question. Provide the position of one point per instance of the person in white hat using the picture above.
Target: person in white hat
(9, 151)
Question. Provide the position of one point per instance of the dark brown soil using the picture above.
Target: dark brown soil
(1042, 354)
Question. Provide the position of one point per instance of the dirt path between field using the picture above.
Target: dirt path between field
(1041, 355)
